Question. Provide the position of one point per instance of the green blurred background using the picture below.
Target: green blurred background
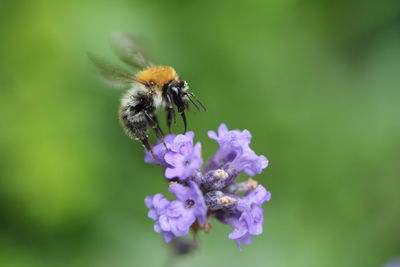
(316, 82)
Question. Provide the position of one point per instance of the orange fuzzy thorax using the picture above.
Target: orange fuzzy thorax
(159, 75)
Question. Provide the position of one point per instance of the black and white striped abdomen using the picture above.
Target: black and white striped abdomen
(131, 112)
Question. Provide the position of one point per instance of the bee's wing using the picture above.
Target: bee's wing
(112, 74)
(129, 51)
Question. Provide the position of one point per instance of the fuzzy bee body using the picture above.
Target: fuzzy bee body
(137, 104)
(151, 89)
(131, 117)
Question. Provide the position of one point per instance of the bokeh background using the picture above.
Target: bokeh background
(316, 82)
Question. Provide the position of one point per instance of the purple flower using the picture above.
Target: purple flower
(192, 200)
(248, 217)
(211, 192)
(235, 153)
(181, 160)
(183, 164)
(158, 205)
(174, 219)
(248, 162)
(225, 137)
(159, 151)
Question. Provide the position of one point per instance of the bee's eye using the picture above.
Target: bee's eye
(175, 89)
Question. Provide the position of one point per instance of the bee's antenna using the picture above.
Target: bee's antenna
(194, 103)
(198, 101)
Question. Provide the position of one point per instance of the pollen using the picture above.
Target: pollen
(225, 200)
(252, 184)
(157, 75)
(220, 174)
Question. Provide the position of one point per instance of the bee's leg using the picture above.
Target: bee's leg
(139, 130)
(170, 116)
(153, 122)
(145, 141)
(170, 112)
(184, 120)
(140, 133)
(136, 126)
(159, 133)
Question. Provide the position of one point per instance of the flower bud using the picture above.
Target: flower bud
(234, 188)
(216, 200)
(215, 180)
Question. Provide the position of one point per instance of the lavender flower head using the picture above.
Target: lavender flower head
(212, 191)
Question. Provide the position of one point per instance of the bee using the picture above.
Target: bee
(152, 88)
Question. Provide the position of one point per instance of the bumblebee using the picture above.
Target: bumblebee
(151, 89)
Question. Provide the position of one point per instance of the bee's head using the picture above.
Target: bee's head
(178, 91)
